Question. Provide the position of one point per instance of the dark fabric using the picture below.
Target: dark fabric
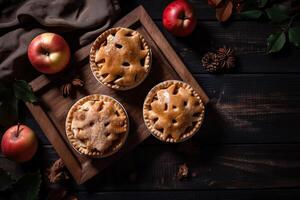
(78, 21)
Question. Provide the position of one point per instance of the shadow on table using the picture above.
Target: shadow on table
(155, 164)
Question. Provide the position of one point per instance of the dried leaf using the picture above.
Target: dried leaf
(224, 11)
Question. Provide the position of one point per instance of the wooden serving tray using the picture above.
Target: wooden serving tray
(52, 109)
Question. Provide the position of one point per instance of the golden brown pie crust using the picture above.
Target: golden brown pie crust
(97, 125)
(173, 111)
(120, 58)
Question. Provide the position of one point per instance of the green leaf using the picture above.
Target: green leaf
(23, 91)
(294, 36)
(28, 186)
(278, 13)
(8, 106)
(6, 180)
(251, 14)
(275, 42)
(263, 3)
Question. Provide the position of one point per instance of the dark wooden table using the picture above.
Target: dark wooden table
(249, 146)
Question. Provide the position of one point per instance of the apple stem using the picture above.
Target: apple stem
(45, 52)
(182, 16)
(18, 129)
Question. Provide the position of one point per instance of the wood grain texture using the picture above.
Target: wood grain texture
(53, 108)
(248, 39)
(154, 167)
(195, 195)
(202, 9)
(248, 147)
(249, 108)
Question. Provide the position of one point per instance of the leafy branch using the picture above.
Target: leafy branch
(24, 188)
(224, 9)
(282, 13)
(10, 96)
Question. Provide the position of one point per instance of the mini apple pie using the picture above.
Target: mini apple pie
(97, 125)
(173, 111)
(120, 58)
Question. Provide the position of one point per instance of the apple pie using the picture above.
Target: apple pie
(173, 111)
(97, 125)
(120, 58)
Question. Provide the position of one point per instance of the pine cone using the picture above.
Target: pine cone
(210, 62)
(226, 57)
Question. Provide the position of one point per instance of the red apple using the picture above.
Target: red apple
(19, 143)
(49, 53)
(179, 18)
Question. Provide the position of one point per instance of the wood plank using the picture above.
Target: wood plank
(252, 108)
(278, 194)
(51, 111)
(155, 8)
(59, 144)
(248, 39)
(247, 108)
(154, 167)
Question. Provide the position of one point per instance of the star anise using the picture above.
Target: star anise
(226, 57)
(68, 88)
(210, 62)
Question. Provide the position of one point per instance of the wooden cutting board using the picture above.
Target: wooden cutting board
(52, 109)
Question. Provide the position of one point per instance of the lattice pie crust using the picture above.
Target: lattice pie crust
(120, 58)
(173, 111)
(97, 125)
